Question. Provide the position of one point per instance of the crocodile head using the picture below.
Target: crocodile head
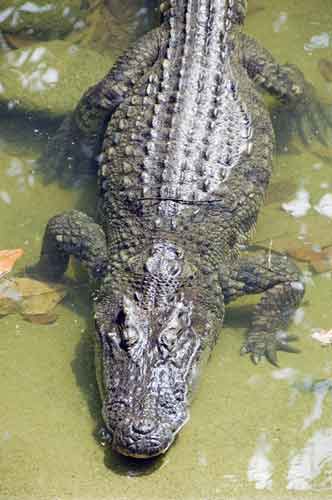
(147, 365)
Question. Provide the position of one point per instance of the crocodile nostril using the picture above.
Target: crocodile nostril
(144, 425)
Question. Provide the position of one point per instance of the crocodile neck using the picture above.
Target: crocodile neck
(195, 74)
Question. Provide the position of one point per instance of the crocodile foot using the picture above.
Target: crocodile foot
(69, 157)
(308, 119)
(260, 344)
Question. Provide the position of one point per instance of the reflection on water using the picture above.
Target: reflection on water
(41, 76)
(260, 467)
(312, 462)
(320, 390)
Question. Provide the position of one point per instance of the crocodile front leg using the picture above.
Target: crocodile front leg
(72, 233)
(278, 279)
(72, 153)
(302, 112)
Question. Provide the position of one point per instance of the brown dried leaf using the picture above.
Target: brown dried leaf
(39, 297)
(7, 306)
(321, 260)
(40, 319)
(9, 298)
(35, 300)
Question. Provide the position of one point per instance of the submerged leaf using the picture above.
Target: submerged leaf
(325, 68)
(7, 306)
(35, 300)
(39, 297)
(41, 319)
(320, 260)
(8, 259)
(9, 297)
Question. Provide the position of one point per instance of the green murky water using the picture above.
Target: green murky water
(255, 432)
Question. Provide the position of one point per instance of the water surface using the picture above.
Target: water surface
(255, 432)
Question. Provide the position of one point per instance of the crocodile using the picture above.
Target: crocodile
(182, 142)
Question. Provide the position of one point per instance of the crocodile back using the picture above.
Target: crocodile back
(192, 144)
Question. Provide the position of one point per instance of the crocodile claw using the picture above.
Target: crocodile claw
(256, 358)
(268, 344)
(271, 355)
(244, 350)
(309, 119)
(69, 157)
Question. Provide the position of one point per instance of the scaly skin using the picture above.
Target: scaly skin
(185, 161)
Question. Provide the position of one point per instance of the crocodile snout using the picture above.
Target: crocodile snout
(144, 438)
(144, 426)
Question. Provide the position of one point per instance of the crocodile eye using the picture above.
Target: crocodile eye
(130, 337)
(178, 321)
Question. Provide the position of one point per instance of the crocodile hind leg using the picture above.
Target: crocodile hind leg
(301, 113)
(72, 154)
(278, 279)
(72, 233)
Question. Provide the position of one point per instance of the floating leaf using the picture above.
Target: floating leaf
(8, 259)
